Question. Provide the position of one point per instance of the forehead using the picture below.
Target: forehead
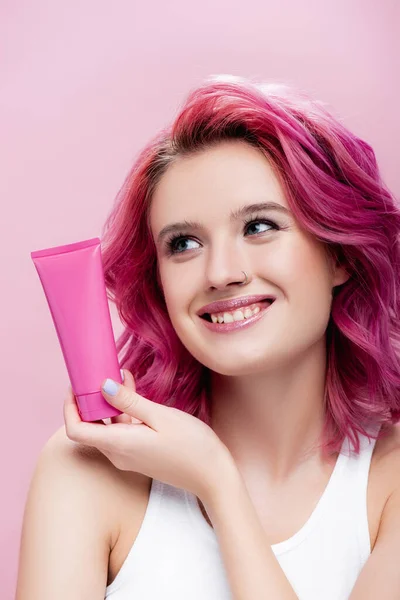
(212, 183)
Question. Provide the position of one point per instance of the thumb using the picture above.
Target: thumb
(129, 402)
(129, 382)
(128, 379)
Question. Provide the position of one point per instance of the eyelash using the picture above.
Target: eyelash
(170, 243)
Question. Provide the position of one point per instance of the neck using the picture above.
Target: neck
(272, 421)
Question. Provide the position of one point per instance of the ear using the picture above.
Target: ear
(338, 271)
(340, 275)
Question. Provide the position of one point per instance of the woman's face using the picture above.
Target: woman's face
(205, 263)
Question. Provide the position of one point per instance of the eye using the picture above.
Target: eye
(176, 243)
(257, 221)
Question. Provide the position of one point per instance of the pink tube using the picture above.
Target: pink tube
(72, 277)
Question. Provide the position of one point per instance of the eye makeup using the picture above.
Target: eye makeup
(180, 236)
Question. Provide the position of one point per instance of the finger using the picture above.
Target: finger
(101, 422)
(131, 403)
(121, 419)
(124, 419)
(92, 434)
(129, 382)
(70, 399)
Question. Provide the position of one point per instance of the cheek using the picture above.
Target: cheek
(177, 294)
(312, 286)
(301, 271)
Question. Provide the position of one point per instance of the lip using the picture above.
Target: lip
(235, 325)
(233, 303)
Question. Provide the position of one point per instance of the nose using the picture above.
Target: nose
(225, 268)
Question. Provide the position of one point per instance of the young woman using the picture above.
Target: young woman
(253, 255)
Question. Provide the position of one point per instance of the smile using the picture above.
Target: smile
(232, 324)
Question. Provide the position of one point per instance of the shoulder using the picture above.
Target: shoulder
(387, 452)
(385, 464)
(91, 475)
(391, 468)
(119, 498)
(73, 477)
(380, 575)
(76, 503)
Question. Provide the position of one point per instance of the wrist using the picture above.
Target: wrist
(226, 477)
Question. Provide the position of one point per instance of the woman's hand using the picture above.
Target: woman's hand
(159, 441)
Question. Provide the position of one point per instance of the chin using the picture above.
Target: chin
(239, 365)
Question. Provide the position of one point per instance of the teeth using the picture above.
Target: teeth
(237, 315)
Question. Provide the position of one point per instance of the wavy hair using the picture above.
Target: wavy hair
(334, 188)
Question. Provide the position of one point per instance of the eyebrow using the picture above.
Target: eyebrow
(234, 215)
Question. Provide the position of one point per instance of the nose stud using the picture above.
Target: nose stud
(245, 279)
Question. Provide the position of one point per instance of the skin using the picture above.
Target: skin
(268, 379)
(267, 384)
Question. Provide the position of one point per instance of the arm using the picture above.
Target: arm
(380, 576)
(253, 571)
(252, 568)
(65, 540)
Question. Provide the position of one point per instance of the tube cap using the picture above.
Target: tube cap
(93, 407)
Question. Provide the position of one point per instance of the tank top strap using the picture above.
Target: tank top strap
(352, 477)
(354, 487)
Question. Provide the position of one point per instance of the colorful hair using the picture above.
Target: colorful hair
(334, 188)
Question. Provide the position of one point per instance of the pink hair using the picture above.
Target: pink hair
(335, 190)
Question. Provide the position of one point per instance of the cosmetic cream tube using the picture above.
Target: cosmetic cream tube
(72, 277)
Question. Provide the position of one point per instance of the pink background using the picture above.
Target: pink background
(83, 85)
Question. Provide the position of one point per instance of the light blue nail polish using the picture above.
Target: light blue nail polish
(110, 387)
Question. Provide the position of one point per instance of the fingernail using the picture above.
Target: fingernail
(110, 387)
(122, 375)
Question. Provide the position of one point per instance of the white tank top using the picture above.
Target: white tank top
(176, 555)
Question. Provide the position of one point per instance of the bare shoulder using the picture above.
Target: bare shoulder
(384, 477)
(125, 495)
(74, 509)
(387, 454)
(385, 466)
(110, 488)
